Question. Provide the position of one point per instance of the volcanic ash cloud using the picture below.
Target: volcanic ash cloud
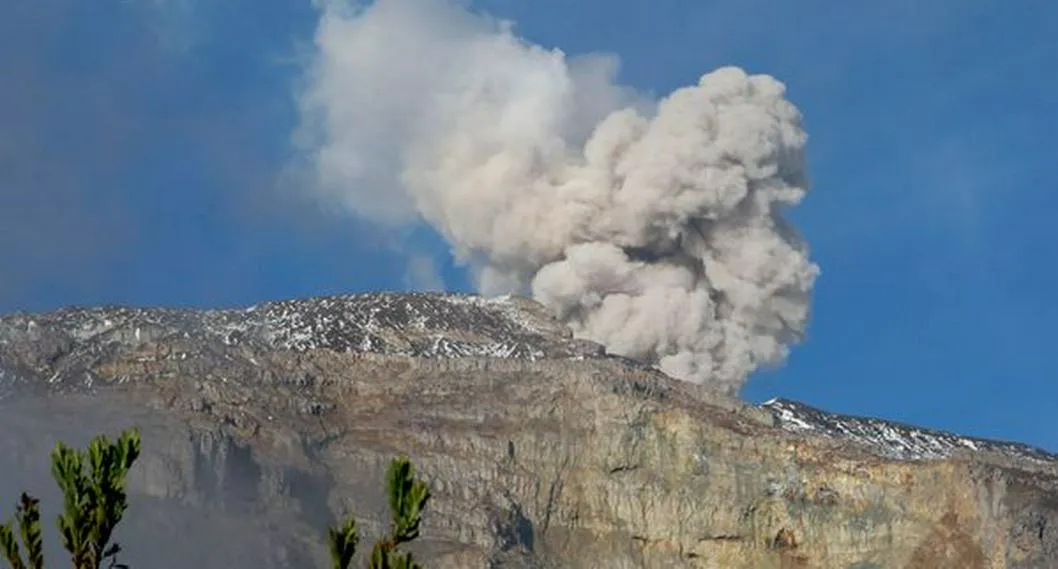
(652, 227)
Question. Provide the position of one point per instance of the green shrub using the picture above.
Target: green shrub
(94, 500)
(93, 486)
(27, 515)
(407, 498)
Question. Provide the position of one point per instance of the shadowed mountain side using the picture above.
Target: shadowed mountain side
(261, 424)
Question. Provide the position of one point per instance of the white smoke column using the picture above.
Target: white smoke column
(653, 228)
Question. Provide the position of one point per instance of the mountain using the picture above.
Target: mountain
(262, 424)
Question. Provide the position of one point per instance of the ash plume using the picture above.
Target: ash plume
(652, 227)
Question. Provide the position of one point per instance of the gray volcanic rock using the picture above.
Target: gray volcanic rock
(263, 424)
(897, 440)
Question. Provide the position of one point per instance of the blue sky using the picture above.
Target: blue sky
(141, 142)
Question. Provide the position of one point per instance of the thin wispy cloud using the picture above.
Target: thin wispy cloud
(176, 24)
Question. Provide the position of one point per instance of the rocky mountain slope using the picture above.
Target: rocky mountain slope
(262, 424)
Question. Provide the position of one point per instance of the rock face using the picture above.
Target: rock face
(261, 425)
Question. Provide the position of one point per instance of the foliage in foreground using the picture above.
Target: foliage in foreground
(407, 498)
(93, 486)
(94, 500)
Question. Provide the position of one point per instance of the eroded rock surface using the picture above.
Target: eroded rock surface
(262, 424)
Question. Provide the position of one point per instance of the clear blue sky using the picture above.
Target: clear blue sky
(141, 140)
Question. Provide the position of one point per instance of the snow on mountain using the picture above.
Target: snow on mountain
(422, 325)
(63, 345)
(892, 439)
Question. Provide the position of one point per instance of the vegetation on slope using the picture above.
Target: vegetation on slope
(93, 486)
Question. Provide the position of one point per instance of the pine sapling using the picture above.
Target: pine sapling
(94, 500)
(27, 515)
(407, 498)
(343, 542)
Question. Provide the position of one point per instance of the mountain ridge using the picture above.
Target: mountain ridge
(529, 436)
(337, 322)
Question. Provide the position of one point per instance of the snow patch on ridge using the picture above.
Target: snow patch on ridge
(891, 439)
(425, 325)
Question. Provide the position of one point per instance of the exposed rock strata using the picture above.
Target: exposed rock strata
(261, 424)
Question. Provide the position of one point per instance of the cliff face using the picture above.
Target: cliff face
(541, 451)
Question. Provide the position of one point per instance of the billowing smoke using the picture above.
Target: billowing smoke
(652, 227)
